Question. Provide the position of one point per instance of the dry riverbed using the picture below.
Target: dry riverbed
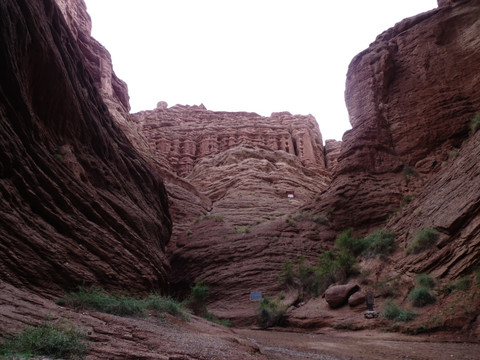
(339, 345)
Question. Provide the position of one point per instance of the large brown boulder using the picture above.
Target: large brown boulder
(337, 295)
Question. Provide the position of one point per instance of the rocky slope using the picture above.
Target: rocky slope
(79, 204)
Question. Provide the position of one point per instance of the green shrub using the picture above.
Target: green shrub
(198, 297)
(425, 281)
(392, 311)
(346, 241)
(290, 221)
(463, 284)
(270, 312)
(287, 275)
(212, 318)
(381, 242)
(423, 240)
(167, 305)
(47, 340)
(475, 123)
(96, 299)
(242, 229)
(388, 287)
(421, 296)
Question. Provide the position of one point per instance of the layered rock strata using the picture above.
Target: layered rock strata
(410, 97)
(186, 134)
(79, 205)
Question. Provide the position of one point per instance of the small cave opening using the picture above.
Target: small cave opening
(295, 148)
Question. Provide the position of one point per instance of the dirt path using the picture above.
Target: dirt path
(357, 346)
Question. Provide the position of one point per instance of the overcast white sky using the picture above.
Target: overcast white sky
(261, 56)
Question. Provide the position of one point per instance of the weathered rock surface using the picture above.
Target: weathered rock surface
(78, 204)
(410, 97)
(114, 337)
(186, 134)
(357, 298)
(337, 295)
(243, 165)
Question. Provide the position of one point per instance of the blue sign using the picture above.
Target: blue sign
(255, 295)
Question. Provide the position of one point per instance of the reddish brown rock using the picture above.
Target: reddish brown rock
(337, 295)
(356, 298)
(186, 134)
(410, 98)
(79, 205)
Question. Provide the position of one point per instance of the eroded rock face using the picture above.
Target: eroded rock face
(410, 96)
(186, 134)
(79, 205)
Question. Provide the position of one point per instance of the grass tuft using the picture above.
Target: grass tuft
(47, 339)
(421, 297)
(423, 240)
(96, 299)
(392, 311)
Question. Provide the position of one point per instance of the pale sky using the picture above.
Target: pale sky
(260, 56)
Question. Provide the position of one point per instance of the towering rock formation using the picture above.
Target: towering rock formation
(79, 205)
(245, 165)
(410, 96)
(183, 135)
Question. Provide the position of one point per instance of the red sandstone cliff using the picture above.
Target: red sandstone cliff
(183, 135)
(410, 96)
(79, 204)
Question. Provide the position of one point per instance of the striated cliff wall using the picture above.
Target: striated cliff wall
(183, 135)
(79, 205)
(410, 97)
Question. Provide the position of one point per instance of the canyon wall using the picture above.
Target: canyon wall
(410, 96)
(79, 205)
(245, 166)
(185, 134)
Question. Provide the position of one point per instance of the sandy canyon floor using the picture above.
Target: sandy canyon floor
(336, 345)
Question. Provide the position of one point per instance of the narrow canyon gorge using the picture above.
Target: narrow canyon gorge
(159, 201)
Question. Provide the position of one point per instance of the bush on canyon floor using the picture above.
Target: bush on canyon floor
(96, 299)
(270, 312)
(197, 299)
(392, 311)
(331, 266)
(421, 296)
(47, 339)
(423, 240)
